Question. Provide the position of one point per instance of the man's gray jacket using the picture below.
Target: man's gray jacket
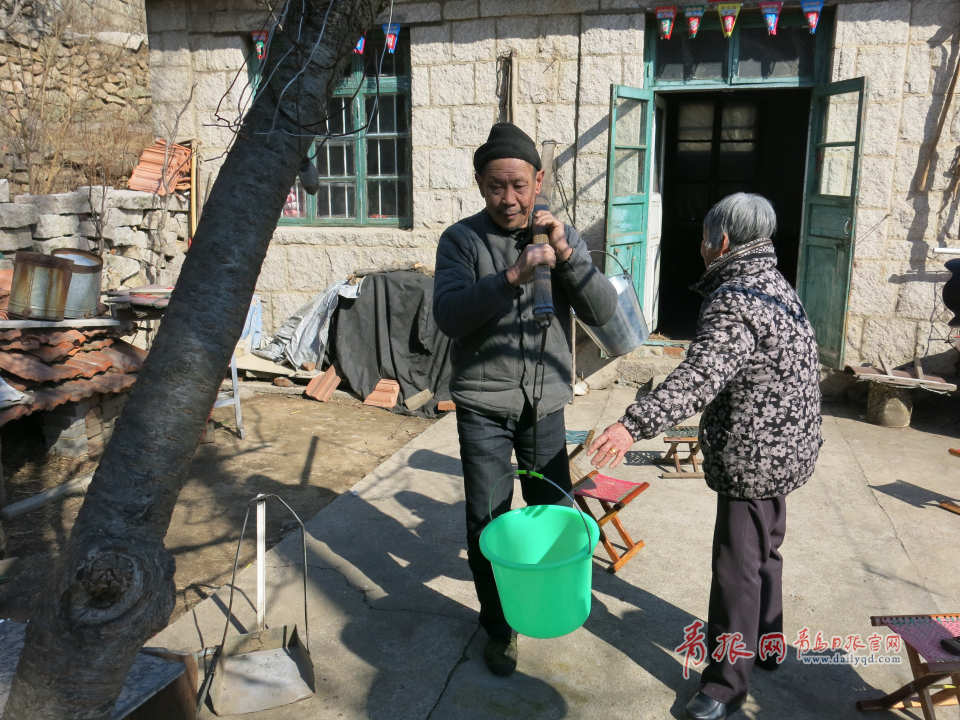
(496, 341)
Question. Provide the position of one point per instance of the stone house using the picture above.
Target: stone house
(834, 127)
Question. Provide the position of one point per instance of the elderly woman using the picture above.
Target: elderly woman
(753, 370)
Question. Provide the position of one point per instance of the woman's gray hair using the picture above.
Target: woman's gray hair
(742, 217)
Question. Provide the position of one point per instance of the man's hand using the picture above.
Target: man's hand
(556, 233)
(522, 270)
(611, 446)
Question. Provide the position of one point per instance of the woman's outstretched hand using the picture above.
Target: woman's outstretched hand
(611, 446)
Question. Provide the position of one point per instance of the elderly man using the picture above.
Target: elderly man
(483, 299)
(753, 370)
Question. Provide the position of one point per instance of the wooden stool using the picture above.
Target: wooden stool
(613, 495)
(677, 436)
(946, 504)
(929, 663)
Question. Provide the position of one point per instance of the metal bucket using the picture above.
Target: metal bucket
(627, 329)
(40, 286)
(84, 294)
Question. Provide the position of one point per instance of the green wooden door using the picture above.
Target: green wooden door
(628, 181)
(829, 218)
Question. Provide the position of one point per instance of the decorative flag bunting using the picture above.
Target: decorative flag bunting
(360, 43)
(665, 18)
(728, 17)
(260, 43)
(693, 13)
(771, 13)
(392, 31)
(812, 8)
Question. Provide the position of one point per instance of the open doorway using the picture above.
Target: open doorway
(717, 143)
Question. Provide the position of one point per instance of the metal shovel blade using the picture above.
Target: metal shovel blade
(262, 670)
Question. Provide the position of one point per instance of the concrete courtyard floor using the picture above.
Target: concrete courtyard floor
(393, 627)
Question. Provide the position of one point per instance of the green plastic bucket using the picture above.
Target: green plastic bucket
(542, 557)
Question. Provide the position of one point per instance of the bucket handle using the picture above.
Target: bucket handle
(261, 497)
(603, 252)
(532, 473)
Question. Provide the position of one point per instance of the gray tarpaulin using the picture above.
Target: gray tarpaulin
(388, 332)
(303, 336)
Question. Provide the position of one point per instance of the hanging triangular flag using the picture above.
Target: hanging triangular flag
(771, 13)
(392, 31)
(360, 43)
(665, 18)
(260, 43)
(728, 17)
(693, 14)
(812, 9)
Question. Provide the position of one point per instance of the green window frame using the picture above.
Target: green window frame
(790, 18)
(365, 172)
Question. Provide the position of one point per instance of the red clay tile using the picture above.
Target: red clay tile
(55, 337)
(24, 342)
(125, 357)
(9, 334)
(446, 406)
(52, 353)
(321, 387)
(30, 368)
(384, 395)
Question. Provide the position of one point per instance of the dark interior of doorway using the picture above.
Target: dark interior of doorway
(718, 143)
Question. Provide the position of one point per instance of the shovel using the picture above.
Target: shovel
(270, 667)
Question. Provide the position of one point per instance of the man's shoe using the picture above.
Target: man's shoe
(501, 654)
(704, 707)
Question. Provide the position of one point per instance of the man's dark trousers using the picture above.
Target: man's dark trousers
(746, 593)
(485, 446)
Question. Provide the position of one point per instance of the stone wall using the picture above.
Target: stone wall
(143, 242)
(74, 88)
(908, 51)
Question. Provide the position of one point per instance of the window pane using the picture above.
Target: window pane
(335, 158)
(628, 172)
(840, 118)
(387, 116)
(384, 156)
(296, 205)
(683, 58)
(388, 199)
(835, 171)
(337, 200)
(339, 117)
(789, 53)
(738, 148)
(631, 121)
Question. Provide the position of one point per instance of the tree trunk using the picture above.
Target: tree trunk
(112, 587)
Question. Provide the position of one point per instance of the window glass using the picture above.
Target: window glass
(296, 205)
(789, 53)
(682, 58)
(394, 64)
(628, 171)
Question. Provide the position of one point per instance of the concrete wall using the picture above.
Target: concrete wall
(908, 51)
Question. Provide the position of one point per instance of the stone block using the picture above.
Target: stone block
(928, 18)
(466, 203)
(871, 289)
(431, 126)
(4, 191)
(592, 125)
(917, 77)
(71, 410)
(215, 133)
(17, 215)
(76, 430)
(518, 34)
(74, 242)
(61, 422)
(474, 40)
(50, 226)
(243, 21)
(597, 74)
(908, 166)
(452, 85)
(591, 222)
(539, 81)
(885, 65)
(844, 63)
(568, 82)
(117, 270)
(591, 179)
(420, 86)
(918, 120)
(420, 161)
(557, 122)
(217, 53)
(163, 16)
(871, 234)
(620, 34)
(471, 124)
(559, 37)
(273, 272)
(460, 9)
(171, 86)
(13, 239)
(415, 12)
(209, 91)
(633, 70)
(895, 339)
(876, 179)
(920, 298)
(485, 83)
(431, 209)
(124, 199)
(868, 23)
(451, 168)
(170, 49)
(57, 204)
(283, 305)
(430, 44)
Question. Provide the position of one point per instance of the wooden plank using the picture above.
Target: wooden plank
(918, 368)
(79, 323)
(682, 475)
(886, 367)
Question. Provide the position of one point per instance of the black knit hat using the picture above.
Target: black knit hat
(506, 140)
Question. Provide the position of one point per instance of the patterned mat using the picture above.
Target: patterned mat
(601, 487)
(924, 632)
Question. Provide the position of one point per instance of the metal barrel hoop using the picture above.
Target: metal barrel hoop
(532, 473)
